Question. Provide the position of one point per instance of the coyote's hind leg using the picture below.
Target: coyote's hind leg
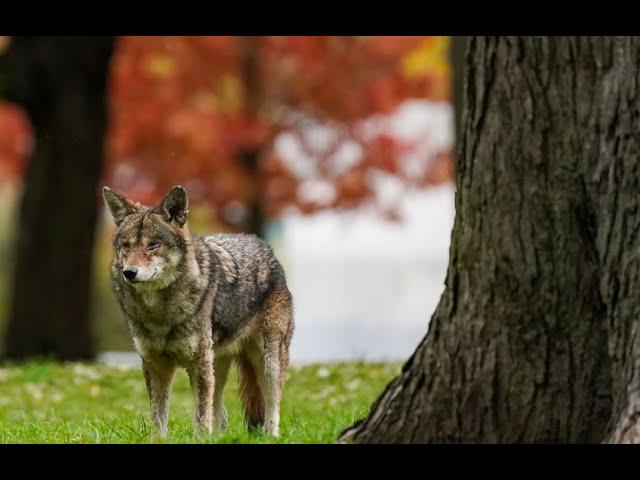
(220, 372)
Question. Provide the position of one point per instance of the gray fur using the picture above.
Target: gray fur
(222, 294)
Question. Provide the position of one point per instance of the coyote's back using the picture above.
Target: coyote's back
(251, 274)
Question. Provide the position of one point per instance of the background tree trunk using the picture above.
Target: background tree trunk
(249, 47)
(536, 337)
(61, 83)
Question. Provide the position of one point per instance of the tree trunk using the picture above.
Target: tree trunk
(249, 47)
(456, 55)
(536, 337)
(61, 83)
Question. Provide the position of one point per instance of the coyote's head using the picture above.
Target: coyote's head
(150, 243)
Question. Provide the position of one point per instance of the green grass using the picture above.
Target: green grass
(91, 403)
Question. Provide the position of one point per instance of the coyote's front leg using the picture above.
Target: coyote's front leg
(202, 382)
(158, 377)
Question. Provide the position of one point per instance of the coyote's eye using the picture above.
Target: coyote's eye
(125, 247)
(153, 245)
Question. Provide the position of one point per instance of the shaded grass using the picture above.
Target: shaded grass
(43, 402)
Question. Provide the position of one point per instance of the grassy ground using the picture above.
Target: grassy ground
(91, 403)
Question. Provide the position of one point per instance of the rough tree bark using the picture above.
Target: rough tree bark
(61, 83)
(536, 337)
(456, 58)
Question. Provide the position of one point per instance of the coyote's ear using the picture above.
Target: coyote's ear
(175, 205)
(119, 205)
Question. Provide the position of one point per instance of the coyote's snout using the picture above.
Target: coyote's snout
(201, 302)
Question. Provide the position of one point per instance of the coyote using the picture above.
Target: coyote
(201, 302)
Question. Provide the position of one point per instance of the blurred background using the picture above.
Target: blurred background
(336, 150)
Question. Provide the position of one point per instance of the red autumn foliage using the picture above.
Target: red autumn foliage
(188, 110)
(15, 141)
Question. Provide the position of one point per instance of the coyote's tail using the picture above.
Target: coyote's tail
(252, 399)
